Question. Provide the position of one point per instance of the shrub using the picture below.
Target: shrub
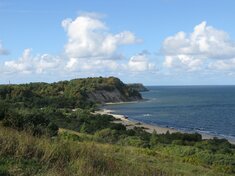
(69, 136)
(133, 141)
(33, 122)
(106, 135)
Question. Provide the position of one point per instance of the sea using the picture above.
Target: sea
(203, 109)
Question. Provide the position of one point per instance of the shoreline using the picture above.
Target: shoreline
(149, 127)
(124, 102)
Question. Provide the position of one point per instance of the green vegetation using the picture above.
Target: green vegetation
(51, 129)
(73, 153)
(138, 86)
(66, 94)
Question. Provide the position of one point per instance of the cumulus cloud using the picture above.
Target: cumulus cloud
(72, 64)
(223, 65)
(190, 51)
(32, 64)
(186, 62)
(140, 63)
(3, 51)
(88, 37)
(98, 65)
(90, 49)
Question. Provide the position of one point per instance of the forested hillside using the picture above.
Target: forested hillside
(41, 107)
(75, 93)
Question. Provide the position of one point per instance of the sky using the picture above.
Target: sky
(154, 42)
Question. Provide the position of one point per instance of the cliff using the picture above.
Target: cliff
(104, 96)
(111, 90)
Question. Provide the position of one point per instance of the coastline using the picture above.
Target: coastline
(124, 102)
(148, 127)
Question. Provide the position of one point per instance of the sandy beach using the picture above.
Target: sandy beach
(149, 128)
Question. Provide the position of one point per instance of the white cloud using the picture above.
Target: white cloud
(223, 65)
(191, 51)
(187, 62)
(90, 50)
(88, 37)
(32, 64)
(98, 65)
(3, 51)
(72, 64)
(140, 63)
(91, 47)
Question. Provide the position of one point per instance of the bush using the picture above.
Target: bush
(69, 136)
(33, 122)
(133, 141)
(185, 138)
(106, 135)
(3, 109)
(216, 145)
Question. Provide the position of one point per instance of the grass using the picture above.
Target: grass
(23, 154)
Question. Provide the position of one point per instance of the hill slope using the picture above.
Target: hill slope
(23, 154)
(74, 93)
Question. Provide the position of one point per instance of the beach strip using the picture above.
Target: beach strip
(130, 124)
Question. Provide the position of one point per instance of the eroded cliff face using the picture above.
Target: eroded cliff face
(113, 96)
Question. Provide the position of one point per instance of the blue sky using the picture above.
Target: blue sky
(156, 42)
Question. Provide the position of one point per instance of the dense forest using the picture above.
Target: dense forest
(51, 129)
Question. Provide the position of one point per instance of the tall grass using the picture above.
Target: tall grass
(23, 154)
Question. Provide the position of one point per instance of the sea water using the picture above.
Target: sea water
(203, 109)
